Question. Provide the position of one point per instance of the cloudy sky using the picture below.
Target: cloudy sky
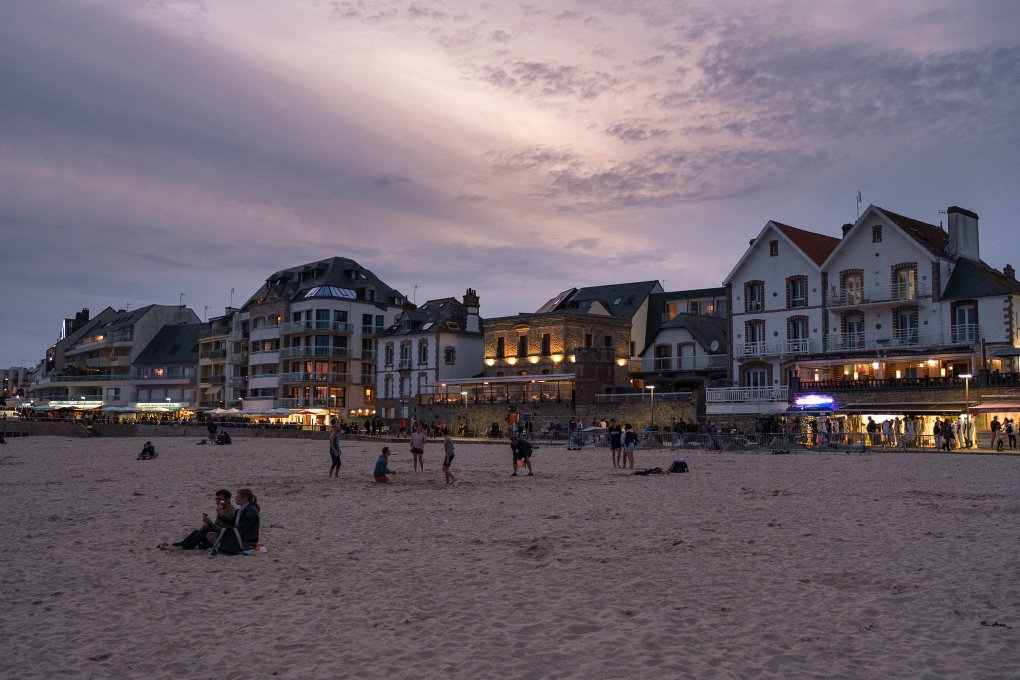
(149, 149)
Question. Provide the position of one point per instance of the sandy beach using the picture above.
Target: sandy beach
(808, 565)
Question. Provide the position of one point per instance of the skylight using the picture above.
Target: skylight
(331, 291)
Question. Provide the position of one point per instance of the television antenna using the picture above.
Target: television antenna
(859, 199)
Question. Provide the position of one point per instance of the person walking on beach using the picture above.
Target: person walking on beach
(448, 459)
(522, 451)
(418, 447)
(629, 442)
(616, 442)
(334, 451)
(382, 467)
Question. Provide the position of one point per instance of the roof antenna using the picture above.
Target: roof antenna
(414, 295)
(231, 297)
(858, 204)
(206, 312)
(182, 300)
(941, 213)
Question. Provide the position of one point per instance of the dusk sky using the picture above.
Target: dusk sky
(151, 148)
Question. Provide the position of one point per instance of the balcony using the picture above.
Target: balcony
(213, 354)
(241, 359)
(236, 336)
(214, 379)
(777, 348)
(722, 395)
(291, 402)
(876, 295)
(237, 381)
(319, 378)
(906, 338)
(372, 330)
(334, 352)
(293, 327)
(716, 362)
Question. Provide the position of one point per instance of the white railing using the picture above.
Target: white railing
(290, 402)
(746, 394)
(303, 326)
(336, 352)
(679, 364)
(325, 378)
(841, 297)
(777, 348)
(905, 337)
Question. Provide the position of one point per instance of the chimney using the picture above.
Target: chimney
(847, 228)
(471, 304)
(963, 233)
(751, 242)
(1009, 272)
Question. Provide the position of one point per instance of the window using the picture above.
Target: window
(449, 356)
(663, 357)
(773, 248)
(694, 307)
(587, 339)
(522, 346)
(546, 344)
(754, 296)
(905, 326)
(965, 322)
(756, 377)
(685, 356)
(754, 338)
(905, 283)
(500, 348)
(853, 331)
(423, 352)
(797, 334)
(796, 292)
(876, 234)
(607, 341)
(853, 287)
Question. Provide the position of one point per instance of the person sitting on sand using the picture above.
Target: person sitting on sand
(148, 452)
(224, 514)
(242, 530)
(382, 468)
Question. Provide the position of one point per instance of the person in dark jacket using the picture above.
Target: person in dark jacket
(242, 533)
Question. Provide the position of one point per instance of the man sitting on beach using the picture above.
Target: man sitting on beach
(148, 452)
(224, 515)
(382, 467)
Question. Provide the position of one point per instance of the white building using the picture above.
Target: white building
(439, 341)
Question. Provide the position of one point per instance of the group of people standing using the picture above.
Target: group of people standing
(1008, 428)
(622, 441)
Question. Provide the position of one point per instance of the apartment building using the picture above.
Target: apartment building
(91, 365)
(306, 339)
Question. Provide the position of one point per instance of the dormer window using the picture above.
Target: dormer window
(876, 234)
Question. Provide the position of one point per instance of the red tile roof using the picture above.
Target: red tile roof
(815, 246)
(933, 238)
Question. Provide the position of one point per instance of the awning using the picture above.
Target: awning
(907, 408)
(996, 407)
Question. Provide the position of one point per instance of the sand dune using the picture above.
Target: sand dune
(751, 566)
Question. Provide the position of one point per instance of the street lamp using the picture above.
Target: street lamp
(652, 388)
(966, 398)
(463, 398)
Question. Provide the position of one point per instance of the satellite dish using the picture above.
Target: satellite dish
(714, 347)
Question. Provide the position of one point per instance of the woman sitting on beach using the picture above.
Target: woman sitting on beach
(242, 532)
(148, 452)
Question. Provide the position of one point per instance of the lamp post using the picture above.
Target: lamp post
(966, 398)
(463, 398)
(652, 398)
